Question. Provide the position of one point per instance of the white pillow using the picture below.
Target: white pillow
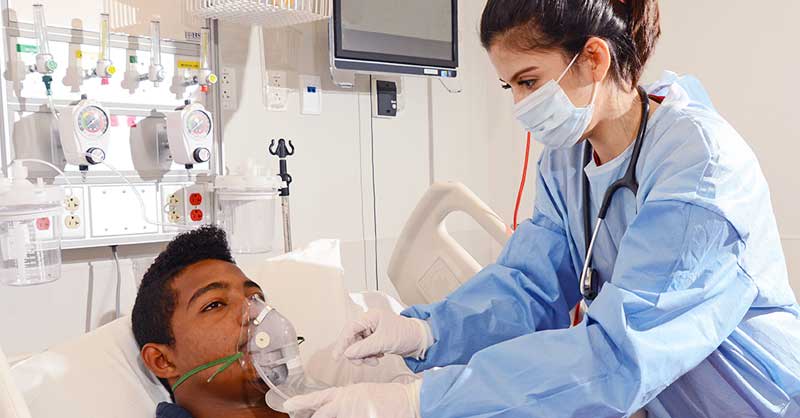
(307, 286)
(99, 374)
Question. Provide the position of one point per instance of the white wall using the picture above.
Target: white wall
(744, 55)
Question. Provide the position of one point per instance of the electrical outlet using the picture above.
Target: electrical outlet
(173, 205)
(174, 200)
(72, 222)
(227, 86)
(199, 208)
(72, 203)
(277, 91)
(174, 216)
(73, 215)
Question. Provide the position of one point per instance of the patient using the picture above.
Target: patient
(189, 312)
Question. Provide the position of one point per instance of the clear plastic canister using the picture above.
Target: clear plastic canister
(246, 209)
(30, 231)
(248, 217)
(30, 247)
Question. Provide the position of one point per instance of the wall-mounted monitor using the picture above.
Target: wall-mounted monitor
(418, 37)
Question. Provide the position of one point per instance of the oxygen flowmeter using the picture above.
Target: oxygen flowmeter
(189, 132)
(204, 77)
(84, 133)
(104, 68)
(45, 64)
(155, 73)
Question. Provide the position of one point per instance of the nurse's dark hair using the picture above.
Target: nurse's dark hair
(630, 27)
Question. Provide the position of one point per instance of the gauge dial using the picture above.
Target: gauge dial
(93, 121)
(198, 124)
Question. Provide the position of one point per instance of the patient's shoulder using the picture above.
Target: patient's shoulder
(171, 410)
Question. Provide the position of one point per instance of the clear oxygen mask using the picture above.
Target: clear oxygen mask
(269, 345)
(273, 350)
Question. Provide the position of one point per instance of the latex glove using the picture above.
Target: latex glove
(378, 332)
(365, 400)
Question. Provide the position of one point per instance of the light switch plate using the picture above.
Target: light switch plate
(310, 95)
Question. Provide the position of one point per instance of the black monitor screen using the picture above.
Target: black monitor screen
(420, 32)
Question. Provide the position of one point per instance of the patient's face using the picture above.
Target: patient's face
(207, 324)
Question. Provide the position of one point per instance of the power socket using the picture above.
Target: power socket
(277, 92)
(227, 86)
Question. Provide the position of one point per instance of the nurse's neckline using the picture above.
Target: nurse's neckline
(621, 148)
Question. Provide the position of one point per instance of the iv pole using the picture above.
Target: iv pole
(282, 151)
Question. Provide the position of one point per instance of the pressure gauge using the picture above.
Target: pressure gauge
(84, 132)
(198, 124)
(189, 131)
(93, 121)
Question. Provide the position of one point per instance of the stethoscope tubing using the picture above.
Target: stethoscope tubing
(588, 280)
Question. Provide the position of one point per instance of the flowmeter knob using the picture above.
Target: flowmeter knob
(95, 156)
(202, 155)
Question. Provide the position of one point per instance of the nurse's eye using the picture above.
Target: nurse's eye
(212, 306)
(528, 84)
(506, 86)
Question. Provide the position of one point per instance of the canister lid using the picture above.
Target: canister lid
(248, 178)
(17, 193)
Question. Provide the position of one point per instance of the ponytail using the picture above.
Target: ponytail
(645, 28)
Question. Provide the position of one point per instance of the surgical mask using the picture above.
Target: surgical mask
(550, 116)
(270, 346)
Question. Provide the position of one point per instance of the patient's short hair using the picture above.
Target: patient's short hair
(155, 302)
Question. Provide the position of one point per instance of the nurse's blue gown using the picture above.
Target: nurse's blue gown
(695, 317)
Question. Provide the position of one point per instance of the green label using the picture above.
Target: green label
(133, 59)
(27, 48)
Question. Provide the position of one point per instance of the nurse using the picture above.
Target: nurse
(690, 311)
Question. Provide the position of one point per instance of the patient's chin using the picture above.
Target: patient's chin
(253, 391)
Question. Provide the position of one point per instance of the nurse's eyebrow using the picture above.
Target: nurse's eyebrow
(205, 289)
(520, 72)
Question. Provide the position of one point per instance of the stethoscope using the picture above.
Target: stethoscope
(590, 285)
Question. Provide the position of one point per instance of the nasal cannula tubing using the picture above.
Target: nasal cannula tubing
(139, 197)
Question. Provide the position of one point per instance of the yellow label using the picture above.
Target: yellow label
(79, 54)
(189, 65)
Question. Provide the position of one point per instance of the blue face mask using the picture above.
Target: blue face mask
(550, 116)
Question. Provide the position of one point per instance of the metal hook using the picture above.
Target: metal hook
(282, 150)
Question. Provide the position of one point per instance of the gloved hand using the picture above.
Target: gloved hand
(378, 332)
(365, 400)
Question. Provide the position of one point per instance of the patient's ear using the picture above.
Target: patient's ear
(157, 358)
